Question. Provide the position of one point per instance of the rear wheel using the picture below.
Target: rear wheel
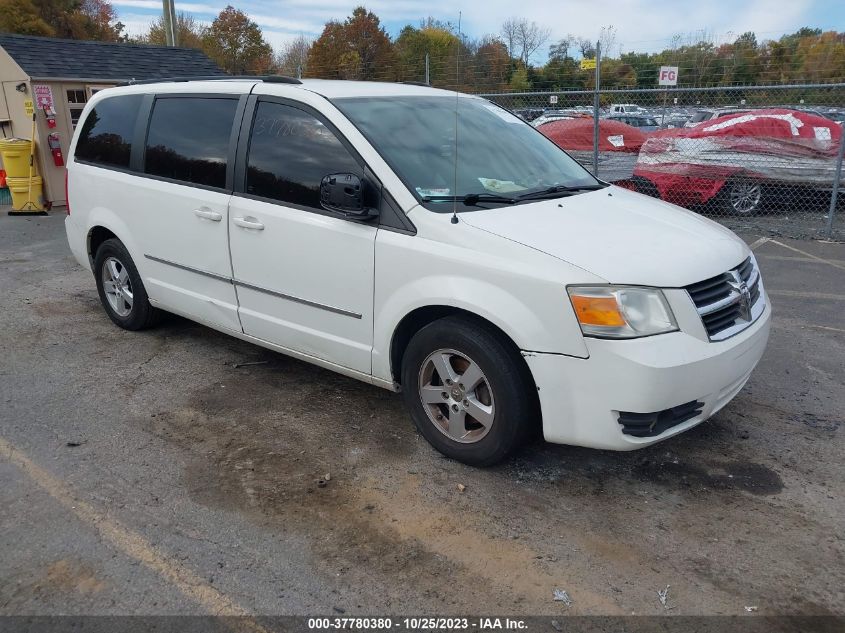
(742, 196)
(120, 288)
(468, 391)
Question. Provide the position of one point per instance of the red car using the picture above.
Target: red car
(618, 145)
(742, 161)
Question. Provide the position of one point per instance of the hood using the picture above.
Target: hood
(620, 236)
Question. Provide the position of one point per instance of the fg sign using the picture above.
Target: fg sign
(668, 76)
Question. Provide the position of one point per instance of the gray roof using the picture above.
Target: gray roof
(52, 58)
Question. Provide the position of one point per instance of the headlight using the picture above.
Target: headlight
(621, 312)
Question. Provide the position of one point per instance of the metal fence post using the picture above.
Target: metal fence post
(837, 177)
(596, 112)
(427, 74)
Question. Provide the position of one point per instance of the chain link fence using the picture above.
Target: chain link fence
(755, 158)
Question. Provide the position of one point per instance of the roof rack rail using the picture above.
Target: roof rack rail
(278, 79)
(416, 83)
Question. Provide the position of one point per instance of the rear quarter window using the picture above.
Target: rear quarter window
(106, 134)
(188, 139)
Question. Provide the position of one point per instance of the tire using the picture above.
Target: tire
(125, 301)
(645, 187)
(742, 196)
(493, 415)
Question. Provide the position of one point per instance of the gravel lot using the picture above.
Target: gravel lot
(144, 473)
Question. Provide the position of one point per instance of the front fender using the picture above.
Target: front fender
(525, 298)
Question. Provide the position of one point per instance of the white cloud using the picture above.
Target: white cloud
(156, 5)
(640, 24)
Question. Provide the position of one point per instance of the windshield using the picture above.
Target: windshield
(498, 153)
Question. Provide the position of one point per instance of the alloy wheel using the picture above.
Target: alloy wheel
(745, 196)
(456, 395)
(117, 286)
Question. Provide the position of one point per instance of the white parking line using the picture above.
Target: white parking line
(826, 328)
(133, 544)
(759, 242)
(802, 294)
(806, 254)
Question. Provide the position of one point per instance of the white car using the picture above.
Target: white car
(500, 287)
(548, 118)
(627, 108)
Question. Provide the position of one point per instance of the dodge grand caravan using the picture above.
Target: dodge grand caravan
(423, 242)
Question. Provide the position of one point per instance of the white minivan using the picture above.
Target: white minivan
(423, 242)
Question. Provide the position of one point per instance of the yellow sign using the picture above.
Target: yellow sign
(28, 107)
(588, 64)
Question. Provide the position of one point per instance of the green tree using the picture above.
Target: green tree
(236, 43)
(81, 19)
(22, 17)
(519, 80)
(436, 40)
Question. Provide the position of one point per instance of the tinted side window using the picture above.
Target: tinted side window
(188, 139)
(106, 135)
(289, 153)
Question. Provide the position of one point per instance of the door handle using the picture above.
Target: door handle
(208, 214)
(248, 223)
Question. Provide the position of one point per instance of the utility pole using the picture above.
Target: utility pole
(169, 22)
(596, 105)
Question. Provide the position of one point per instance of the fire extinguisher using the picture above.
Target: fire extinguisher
(50, 115)
(56, 149)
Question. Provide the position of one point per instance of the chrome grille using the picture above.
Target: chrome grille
(730, 302)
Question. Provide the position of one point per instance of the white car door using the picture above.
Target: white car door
(304, 275)
(177, 213)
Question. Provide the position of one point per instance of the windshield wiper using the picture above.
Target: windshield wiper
(471, 199)
(557, 191)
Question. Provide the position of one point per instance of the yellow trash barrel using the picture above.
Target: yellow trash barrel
(15, 154)
(22, 195)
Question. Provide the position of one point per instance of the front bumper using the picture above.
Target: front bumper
(581, 398)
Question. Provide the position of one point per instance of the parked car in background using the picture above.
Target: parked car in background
(741, 162)
(712, 113)
(619, 145)
(498, 285)
(528, 114)
(626, 108)
(551, 116)
(673, 121)
(835, 115)
(643, 123)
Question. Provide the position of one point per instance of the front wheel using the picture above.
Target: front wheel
(468, 391)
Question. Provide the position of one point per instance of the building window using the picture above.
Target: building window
(76, 99)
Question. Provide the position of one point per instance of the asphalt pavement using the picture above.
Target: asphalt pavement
(145, 473)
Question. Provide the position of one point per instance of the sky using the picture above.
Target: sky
(641, 25)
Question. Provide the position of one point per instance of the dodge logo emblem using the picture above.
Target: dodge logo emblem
(744, 297)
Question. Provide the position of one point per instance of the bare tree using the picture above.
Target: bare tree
(607, 38)
(508, 32)
(560, 49)
(524, 38)
(587, 48)
(293, 58)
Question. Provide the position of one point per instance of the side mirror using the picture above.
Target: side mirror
(344, 193)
